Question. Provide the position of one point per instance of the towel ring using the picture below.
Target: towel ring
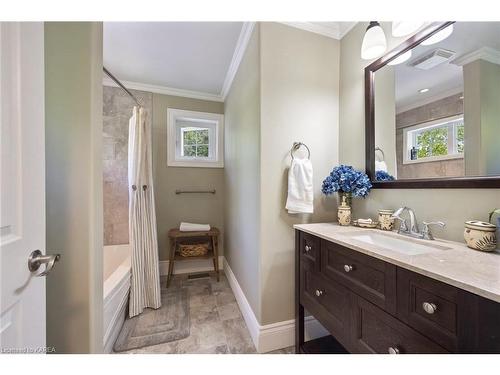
(296, 146)
(382, 152)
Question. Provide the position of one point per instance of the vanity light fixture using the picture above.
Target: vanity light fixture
(439, 36)
(401, 58)
(422, 91)
(374, 43)
(403, 28)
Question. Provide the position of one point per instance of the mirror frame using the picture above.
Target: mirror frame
(424, 183)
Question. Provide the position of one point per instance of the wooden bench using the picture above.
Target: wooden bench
(175, 238)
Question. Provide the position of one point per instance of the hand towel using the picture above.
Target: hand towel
(191, 227)
(300, 187)
(380, 166)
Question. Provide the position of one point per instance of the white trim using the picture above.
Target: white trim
(173, 159)
(190, 266)
(429, 99)
(335, 33)
(273, 336)
(165, 90)
(239, 52)
(484, 53)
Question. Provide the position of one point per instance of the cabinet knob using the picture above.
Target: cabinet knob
(308, 248)
(393, 350)
(348, 268)
(429, 308)
(319, 292)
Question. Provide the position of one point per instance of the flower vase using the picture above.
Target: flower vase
(347, 197)
(344, 210)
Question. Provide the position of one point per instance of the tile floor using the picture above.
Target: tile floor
(217, 326)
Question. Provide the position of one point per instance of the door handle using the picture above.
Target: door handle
(36, 259)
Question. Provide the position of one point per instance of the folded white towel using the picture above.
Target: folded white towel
(191, 227)
(365, 221)
(380, 166)
(300, 187)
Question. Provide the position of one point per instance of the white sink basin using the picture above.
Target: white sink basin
(398, 244)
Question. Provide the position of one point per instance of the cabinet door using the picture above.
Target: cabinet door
(327, 301)
(375, 331)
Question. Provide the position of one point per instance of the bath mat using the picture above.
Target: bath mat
(168, 323)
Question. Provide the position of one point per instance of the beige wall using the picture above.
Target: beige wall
(385, 117)
(242, 174)
(449, 106)
(299, 102)
(171, 209)
(73, 92)
(453, 206)
(482, 118)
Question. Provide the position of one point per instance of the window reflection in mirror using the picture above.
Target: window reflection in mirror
(437, 114)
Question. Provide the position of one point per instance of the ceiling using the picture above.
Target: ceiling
(191, 56)
(197, 59)
(445, 79)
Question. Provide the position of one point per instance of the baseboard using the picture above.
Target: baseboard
(190, 266)
(273, 336)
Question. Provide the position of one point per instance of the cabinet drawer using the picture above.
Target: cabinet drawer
(327, 301)
(309, 249)
(371, 278)
(429, 306)
(375, 331)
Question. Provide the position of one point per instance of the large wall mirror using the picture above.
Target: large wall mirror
(433, 109)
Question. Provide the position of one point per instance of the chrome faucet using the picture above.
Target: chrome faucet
(413, 230)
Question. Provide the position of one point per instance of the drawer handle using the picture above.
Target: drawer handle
(308, 248)
(429, 308)
(348, 268)
(319, 293)
(393, 350)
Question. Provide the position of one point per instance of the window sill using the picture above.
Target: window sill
(433, 159)
(195, 164)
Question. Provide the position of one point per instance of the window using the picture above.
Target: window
(436, 140)
(195, 139)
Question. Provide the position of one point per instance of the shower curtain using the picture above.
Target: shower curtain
(145, 281)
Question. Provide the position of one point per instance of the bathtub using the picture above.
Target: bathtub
(116, 276)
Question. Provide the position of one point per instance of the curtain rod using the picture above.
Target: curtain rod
(121, 85)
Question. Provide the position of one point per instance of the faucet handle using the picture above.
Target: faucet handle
(426, 232)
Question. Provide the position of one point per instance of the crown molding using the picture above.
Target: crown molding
(239, 52)
(165, 90)
(334, 33)
(484, 53)
(430, 99)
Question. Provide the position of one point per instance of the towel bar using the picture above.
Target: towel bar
(195, 191)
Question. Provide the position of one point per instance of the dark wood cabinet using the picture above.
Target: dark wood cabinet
(372, 306)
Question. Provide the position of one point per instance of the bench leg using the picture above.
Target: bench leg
(171, 261)
(216, 256)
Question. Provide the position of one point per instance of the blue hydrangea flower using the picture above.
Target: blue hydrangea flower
(345, 178)
(383, 176)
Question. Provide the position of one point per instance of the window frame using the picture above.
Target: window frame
(213, 121)
(411, 131)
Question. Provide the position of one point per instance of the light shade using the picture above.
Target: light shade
(439, 36)
(403, 28)
(374, 43)
(401, 58)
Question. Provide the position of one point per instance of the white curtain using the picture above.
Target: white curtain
(145, 283)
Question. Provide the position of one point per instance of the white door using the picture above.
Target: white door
(22, 194)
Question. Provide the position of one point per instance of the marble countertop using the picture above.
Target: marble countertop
(475, 271)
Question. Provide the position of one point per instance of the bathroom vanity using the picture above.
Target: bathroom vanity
(380, 292)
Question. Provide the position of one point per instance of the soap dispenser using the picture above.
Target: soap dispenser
(344, 213)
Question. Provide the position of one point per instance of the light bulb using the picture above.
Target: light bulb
(439, 36)
(403, 28)
(401, 58)
(374, 43)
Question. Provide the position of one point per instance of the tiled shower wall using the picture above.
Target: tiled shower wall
(449, 106)
(117, 109)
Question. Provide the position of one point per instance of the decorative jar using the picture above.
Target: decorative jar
(480, 235)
